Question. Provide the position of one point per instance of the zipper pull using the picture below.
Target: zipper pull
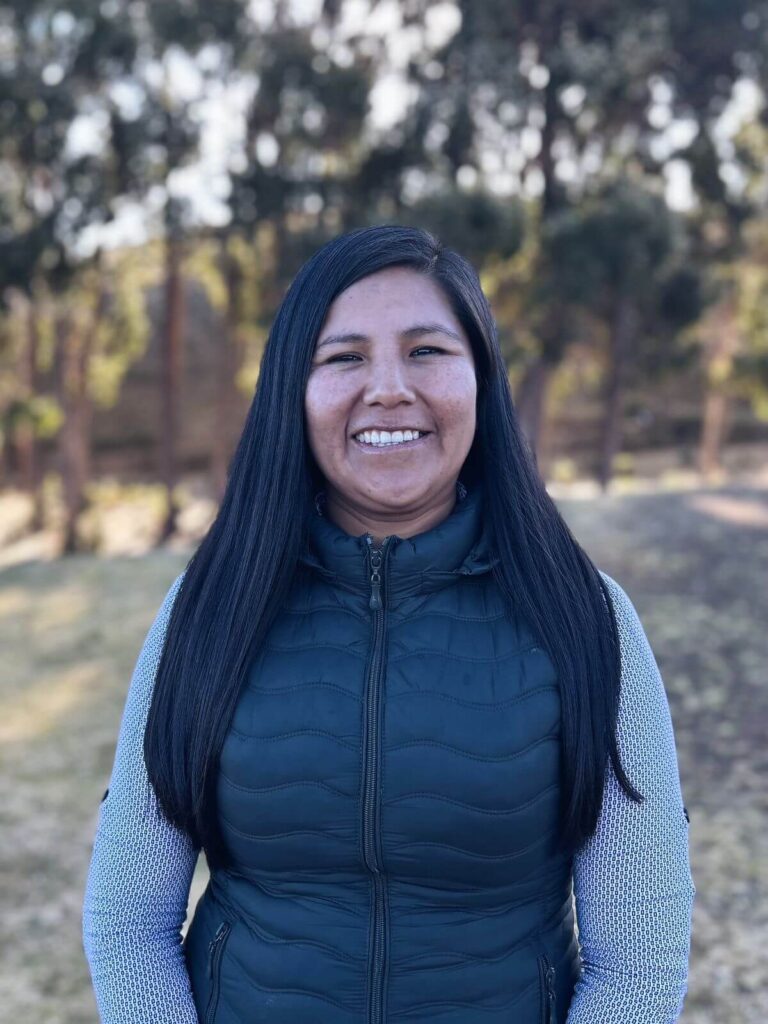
(212, 945)
(375, 602)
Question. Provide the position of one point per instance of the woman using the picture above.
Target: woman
(395, 703)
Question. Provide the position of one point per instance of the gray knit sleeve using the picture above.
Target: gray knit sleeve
(139, 877)
(632, 880)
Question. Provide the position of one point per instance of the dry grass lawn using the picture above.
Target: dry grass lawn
(695, 563)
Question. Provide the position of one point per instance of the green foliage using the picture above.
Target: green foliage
(476, 223)
(750, 368)
(106, 306)
(40, 413)
(616, 241)
(122, 334)
(563, 99)
(202, 261)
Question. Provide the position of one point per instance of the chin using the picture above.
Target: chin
(401, 494)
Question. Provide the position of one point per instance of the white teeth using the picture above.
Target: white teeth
(384, 437)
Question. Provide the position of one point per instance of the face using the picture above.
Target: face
(391, 355)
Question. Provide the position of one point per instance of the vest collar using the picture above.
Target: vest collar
(458, 546)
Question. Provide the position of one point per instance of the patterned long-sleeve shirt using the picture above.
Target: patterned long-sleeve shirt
(632, 882)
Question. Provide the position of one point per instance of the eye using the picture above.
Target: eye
(346, 355)
(335, 359)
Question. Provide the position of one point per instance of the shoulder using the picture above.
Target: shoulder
(642, 700)
(174, 588)
(631, 632)
(618, 594)
(155, 637)
(164, 613)
(627, 619)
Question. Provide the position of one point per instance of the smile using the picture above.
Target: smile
(393, 446)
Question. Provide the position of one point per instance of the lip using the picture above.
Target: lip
(400, 446)
(389, 430)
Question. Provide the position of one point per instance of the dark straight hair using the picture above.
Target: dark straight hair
(240, 574)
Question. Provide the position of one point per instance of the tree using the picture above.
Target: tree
(621, 255)
(49, 195)
(556, 99)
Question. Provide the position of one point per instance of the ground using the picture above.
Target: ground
(695, 564)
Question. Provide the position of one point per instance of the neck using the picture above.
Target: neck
(382, 524)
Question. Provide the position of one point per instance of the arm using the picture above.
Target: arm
(139, 876)
(632, 880)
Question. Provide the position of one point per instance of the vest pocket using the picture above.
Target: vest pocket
(215, 949)
(547, 979)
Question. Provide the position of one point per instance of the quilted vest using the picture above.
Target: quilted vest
(389, 791)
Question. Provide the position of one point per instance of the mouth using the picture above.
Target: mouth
(395, 446)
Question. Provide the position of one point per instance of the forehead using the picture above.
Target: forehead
(397, 293)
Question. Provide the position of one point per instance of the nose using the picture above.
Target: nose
(387, 382)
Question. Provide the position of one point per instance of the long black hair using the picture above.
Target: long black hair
(240, 573)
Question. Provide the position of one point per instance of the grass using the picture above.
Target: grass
(695, 564)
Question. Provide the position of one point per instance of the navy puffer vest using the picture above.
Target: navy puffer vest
(389, 793)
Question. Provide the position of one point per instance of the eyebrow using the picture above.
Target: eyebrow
(416, 331)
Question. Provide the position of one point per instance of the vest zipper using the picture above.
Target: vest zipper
(370, 788)
(547, 974)
(215, 948)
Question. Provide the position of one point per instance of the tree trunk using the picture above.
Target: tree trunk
(531, 402)
(722, 345)
(74, 349)
(713, 432)
(533, 388)
(73, 440)
(227, 395)
(25, 435)
(622, 336)
(171, 352)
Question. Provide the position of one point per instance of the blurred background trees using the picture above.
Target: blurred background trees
(166, 168)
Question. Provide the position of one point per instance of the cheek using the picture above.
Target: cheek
(326, 407)
(455, 396)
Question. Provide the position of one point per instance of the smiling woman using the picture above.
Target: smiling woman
(395, 703)
(372, 373)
